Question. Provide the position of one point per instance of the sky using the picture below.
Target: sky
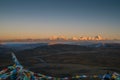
(39, 19)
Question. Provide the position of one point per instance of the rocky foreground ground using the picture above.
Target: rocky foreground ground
(62, 59)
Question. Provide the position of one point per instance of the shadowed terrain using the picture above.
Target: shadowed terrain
(67, 60)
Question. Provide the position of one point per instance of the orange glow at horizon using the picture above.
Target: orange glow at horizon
(61, 37)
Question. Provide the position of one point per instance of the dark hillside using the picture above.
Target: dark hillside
(62, 59)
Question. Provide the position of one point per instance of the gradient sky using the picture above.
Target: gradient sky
(20, 19)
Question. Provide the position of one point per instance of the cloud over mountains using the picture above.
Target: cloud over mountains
(98, 37)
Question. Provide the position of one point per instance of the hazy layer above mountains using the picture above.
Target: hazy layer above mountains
(64, 39)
